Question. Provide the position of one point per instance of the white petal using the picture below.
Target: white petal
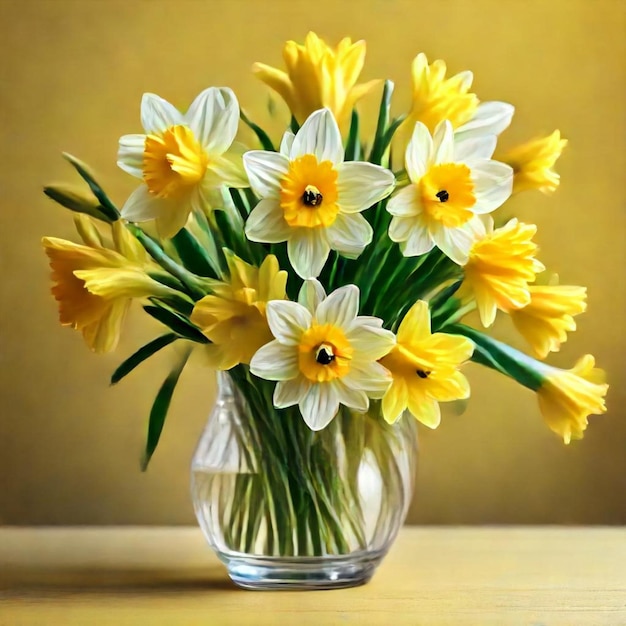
(158, 114)
(319, 136)
(361, 185)
(400, 228)
(319, 406)
(455, 243)
(349, 234)
(308, 250)
(478, 147)
(340, 308)
(443, 143)
(265, 171)
(290, 392)
(420, 241)
(369, 320)
(227, 169)
(214, 117)
(142, 206)
(287, 320)
(491, 118)
(266, 223)
(275, 361)
(370, 377)
(418, 153)
(286, 143)
(311, 294)
(354, 398)
(406, 203)
(130, 154)
(493, 184)
(369, 342)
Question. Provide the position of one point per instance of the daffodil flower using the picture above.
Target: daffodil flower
(454, 184)
(233, 316)
(311, 198)
(568, 397)
(319, 76)
(182, 158)
(324, 354)
(94, 284)
(499, 269)
(437, 98)
(533, 163)
(549, 315)
(424, 368)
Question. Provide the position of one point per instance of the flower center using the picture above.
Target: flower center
(173, 161)
(308, 193)
(447, 194)
(324, 353)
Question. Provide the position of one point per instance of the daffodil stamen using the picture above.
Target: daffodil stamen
(324, 354)
(312, 196)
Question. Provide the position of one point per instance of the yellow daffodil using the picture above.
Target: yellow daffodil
(233, 317)
(323, 354)
(568, 397)
(424, 368)
(499, 269)
(311, 198)
(318, 77)
(545, 321)
(93, 284)
(437, 98)
(533, 163)
(182, 159)
(454, 183)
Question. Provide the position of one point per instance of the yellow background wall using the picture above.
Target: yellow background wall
(72, 74)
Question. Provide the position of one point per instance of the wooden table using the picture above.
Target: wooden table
(158, 576)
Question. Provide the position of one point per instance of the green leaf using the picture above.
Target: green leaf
(145, 352)
(176, 322)
(294, 126)
(108, 207)
(353, 145)
(378, 150)
(75, 201)
(262, 136)
(159, 410)
(192, 254)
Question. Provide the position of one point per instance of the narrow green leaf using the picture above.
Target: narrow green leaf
(377, 152)
(74, 201)
(145, 352)
(159, 410)
(391, 131)
(353, 145)
(262, 136)
(293, 125)
(108, 207)
(192, 254)
(175, 322)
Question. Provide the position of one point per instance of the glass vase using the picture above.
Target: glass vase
(287, 507)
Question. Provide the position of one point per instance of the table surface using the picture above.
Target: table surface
(532, 576)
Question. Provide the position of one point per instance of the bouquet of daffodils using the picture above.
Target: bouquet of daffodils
(325, 275)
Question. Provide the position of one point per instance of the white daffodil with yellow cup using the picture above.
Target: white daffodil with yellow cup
(329, 287)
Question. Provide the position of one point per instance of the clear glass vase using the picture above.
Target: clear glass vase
(286, 507)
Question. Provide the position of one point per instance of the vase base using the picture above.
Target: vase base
(302, 573)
